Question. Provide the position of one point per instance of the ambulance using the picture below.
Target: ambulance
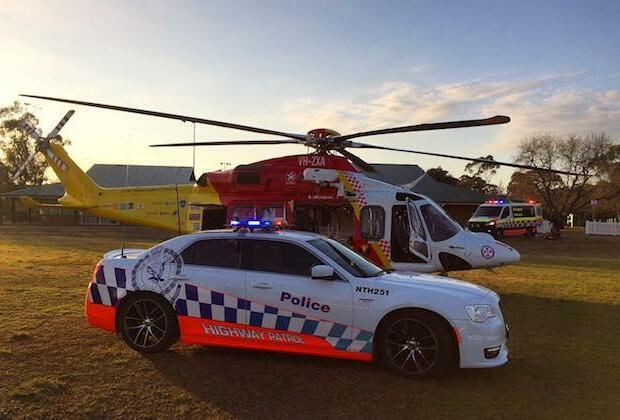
(502, 217)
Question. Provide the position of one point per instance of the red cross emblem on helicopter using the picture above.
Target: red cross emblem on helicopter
(487, 252)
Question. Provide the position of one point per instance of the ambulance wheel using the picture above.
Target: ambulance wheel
(499, 234)
(417, 344)
(147, 322)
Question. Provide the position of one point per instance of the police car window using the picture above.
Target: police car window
(505, 213)
(372, 220)
(276, 257)
(346, 258)
(213, 253)
(439, 226)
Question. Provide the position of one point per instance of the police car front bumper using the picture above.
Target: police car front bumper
(482, 344)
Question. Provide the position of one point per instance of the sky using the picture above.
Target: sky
(552, 66)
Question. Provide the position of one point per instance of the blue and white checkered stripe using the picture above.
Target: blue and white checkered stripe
(109, 284)
(200, 302)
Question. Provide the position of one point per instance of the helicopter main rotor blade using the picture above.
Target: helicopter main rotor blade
(227, 143)
(513, 165)
(361, 163)
(183, 118)
(498, 119)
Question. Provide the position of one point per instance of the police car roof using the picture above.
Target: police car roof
(295, 235)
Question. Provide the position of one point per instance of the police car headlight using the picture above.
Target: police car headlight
(491, 223)
(480, 313)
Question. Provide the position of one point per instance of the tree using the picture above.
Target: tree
(561, 194)
(607, 190)
(16, 145)
(441, 175)
(477, 183)
(480, 174)
(485, 170)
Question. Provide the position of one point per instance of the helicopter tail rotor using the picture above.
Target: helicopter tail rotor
(41, 142)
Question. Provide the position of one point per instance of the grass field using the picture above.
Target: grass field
(562, 303)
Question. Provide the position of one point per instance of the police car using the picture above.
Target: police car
(294, 292)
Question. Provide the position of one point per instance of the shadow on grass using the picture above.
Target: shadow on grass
(560, 351)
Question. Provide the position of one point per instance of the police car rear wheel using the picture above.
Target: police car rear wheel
(417, 344)
(147, 322)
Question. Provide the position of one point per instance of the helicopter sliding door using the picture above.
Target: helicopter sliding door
(417, 235)
(399, 239)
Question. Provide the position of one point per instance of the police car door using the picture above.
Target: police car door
(306, 313)
(213, 279)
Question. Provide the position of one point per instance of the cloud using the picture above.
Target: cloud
(554, 103)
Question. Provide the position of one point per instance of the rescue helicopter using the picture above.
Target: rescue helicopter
(324, 191)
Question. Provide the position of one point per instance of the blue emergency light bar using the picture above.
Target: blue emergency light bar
(250, 224)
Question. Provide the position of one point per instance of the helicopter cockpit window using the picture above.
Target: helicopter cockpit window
(439, 226)
(372, 219)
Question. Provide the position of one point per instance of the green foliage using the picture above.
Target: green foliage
(477, 183)
(474, 182)
(441, 175)
(482, 169)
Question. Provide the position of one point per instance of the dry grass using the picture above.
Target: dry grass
(562, 303)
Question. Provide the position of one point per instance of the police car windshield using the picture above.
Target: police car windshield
(488, 211)
(346, 258)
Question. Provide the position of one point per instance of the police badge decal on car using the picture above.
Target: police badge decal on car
(158, 271)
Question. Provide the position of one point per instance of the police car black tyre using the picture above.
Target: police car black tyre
(417, 344)
(499, 233)
(147, 322)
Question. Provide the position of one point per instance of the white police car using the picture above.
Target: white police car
(294, 292)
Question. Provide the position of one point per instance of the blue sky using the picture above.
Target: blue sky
(552, 66)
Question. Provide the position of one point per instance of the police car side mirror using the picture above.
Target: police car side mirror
(322, 272)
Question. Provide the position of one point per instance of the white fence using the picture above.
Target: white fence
(603, 228)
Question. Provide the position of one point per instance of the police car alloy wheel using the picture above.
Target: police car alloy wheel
(416, 344)
(147, 322)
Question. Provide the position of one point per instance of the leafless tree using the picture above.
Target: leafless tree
(561, 194)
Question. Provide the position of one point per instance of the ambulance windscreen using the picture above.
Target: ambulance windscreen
(488, 211)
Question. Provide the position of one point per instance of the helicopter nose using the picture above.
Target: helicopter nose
(492, 253)
(507, 254)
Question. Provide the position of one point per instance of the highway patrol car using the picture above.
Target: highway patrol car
(501, 217)
(294, 292)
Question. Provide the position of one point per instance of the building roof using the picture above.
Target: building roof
(117, 176)
(444, 193)
(414, 178)
(395, 174)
